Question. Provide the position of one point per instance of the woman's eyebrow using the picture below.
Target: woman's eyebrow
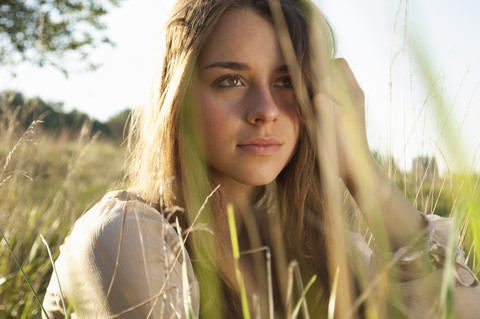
(228, 65)
(240, 66)
(282, 69)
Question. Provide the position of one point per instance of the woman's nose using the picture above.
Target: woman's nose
(263, 107)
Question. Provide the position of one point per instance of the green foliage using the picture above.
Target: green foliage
(45, 31)
(116, 125)
(236, 257)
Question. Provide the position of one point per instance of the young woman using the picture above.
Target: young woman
(251, 115)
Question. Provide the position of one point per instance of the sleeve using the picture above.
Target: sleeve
(420, 271)
(129, 264)
(431, 254)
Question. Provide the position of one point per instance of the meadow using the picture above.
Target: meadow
(46, 182)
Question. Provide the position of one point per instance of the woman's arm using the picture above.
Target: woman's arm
(388, 213)
(393, 220)
(403, 224)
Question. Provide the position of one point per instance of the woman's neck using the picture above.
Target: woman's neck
(240, 197)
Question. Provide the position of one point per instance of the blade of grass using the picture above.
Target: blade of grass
(268, 267)
(56, 275)
(302, 296)
(333, 296)
(446, 290)
(23, 273)
(474, 209)
(187, 300)
(236, 257)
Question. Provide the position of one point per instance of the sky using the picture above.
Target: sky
(396, 49)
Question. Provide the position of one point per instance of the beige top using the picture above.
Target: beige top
(150, 262)
(148, 279)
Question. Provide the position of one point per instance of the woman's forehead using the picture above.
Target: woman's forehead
(239, 35)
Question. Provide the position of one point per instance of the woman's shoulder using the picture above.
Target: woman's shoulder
(121, 216)
(119, 208)
(121, 252)
(118, 205)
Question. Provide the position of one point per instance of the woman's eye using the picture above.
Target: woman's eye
(229, 81)
(284, 82)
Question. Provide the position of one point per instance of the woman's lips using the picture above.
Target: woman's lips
(261, 145)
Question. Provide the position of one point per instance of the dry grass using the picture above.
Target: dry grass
(46, 183)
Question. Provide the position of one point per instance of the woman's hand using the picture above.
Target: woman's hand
(341, 101)
(340, 106)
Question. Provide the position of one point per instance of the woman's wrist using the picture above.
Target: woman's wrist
(366, 177)
(391, 217)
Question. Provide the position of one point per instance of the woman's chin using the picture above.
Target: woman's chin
(257, 179)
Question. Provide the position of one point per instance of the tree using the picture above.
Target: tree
(17, 112)
(44, 32)
(117, 124)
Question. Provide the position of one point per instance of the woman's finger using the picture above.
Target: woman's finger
(349, 78)
(341, 86)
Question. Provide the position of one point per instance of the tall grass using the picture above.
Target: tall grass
(46, 183)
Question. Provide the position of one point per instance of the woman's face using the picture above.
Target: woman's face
(248, 108)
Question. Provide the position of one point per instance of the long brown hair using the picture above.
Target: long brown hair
(166, 167)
